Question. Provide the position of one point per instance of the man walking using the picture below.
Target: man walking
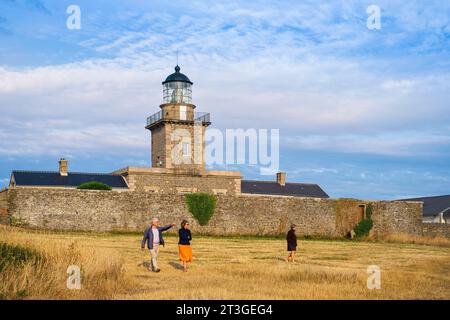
(154, 238)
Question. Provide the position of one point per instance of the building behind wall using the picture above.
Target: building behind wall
(50, 199)
(435, 209)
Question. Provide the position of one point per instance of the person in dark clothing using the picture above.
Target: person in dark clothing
(291, 243)
(184, 244)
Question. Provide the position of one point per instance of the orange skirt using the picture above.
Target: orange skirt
(185, 253)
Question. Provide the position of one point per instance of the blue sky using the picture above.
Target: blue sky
(364, 113)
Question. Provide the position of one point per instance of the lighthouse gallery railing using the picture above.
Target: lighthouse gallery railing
(201, 117)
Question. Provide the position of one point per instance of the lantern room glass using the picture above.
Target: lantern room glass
(177, 92)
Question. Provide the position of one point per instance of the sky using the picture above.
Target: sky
(365, 113)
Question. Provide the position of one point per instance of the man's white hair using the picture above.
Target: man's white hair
(155, 220)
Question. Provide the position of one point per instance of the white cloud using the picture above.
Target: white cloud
(314, 170)
(101, 105)
(252, 65)
(398, 144)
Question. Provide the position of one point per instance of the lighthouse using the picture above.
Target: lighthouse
(177, 130)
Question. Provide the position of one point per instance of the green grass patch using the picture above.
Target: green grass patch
(16, 256)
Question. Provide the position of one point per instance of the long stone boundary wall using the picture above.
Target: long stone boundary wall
(71, 209)
(436, 230)
(4, 216)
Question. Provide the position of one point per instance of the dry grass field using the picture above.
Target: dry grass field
(113, 267)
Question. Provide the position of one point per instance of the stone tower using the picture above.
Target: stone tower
(177, 130)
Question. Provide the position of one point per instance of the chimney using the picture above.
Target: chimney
(63, 167)
(281, 178)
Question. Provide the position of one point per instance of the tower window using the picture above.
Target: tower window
(186, 149)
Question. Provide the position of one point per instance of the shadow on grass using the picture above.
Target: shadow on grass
(273, 258)
(176, 265)
(341, 257)
(145, 264)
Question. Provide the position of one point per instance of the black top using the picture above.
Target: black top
(291, 238)
(73, 179)
(177, 76)
(185, 236)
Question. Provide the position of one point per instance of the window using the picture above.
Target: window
(186, 149)
(177, 92)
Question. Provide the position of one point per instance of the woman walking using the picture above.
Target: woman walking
(291, 243)
(184, 244)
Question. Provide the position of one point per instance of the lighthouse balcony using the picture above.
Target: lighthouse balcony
(188, 117)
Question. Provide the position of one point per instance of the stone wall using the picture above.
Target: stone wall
(436, 230)
(348, 214)
(272, 215)
(164, 181)
(397, 217)
(4, 216)
(71, 209)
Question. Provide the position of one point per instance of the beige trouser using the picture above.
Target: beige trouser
(154, 254)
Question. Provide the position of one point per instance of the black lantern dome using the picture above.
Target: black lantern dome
(177, 88)
(177, 76)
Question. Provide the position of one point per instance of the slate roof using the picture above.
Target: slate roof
(73, 179)
(433, 205)
(289, 189)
